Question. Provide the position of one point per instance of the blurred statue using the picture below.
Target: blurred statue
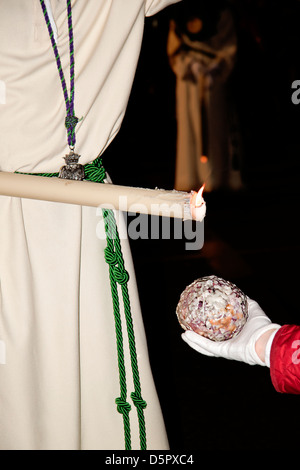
(202, 48)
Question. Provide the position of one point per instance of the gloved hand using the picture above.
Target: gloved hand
(240, 347)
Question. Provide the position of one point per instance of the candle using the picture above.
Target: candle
(177, 204)
(197, 204)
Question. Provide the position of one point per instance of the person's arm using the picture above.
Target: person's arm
(285, 359)
(263, 346)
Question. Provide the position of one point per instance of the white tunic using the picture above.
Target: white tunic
(58, 362)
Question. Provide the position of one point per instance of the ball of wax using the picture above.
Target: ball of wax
(213, 307)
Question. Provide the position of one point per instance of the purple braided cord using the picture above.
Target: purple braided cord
(71, 119)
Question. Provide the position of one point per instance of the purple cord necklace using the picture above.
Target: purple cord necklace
(72, 169)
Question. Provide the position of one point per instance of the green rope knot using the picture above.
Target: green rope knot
(138, 401)
(110, 256)
(122, 406)
(121, 275)
(95, 171)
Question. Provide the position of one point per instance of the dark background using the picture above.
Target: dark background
(251, 236)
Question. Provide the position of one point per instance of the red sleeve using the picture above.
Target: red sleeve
(285, 360)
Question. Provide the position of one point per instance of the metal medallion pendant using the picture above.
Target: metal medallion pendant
(72, 170)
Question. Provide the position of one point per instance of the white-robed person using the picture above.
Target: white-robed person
(202, 47)
(63, 381)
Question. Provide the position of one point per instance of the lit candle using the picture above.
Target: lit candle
(177, 204)
(198, 205)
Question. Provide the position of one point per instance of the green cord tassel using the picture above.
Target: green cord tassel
(121, 276)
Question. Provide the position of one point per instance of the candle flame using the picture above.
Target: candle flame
(199, 198)
(197, 204)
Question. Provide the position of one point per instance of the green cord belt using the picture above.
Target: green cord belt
(119, 276)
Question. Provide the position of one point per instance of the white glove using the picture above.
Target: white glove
(240, 347)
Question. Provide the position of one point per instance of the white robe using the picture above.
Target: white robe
(58, 365)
